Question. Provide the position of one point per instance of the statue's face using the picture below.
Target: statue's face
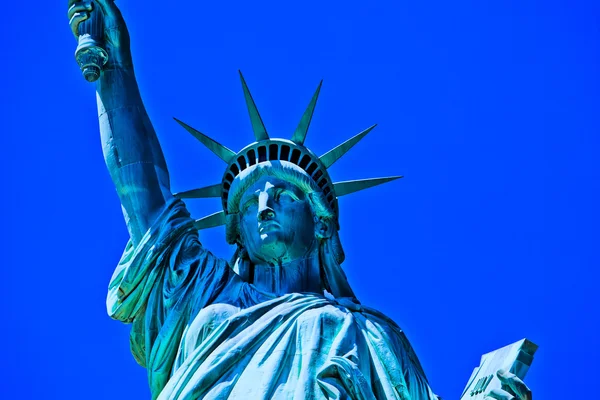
(276, 224)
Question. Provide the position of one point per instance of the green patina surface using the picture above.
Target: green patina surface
(278, 320)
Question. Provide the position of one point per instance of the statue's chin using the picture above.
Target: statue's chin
(275, 247)
(273, 250)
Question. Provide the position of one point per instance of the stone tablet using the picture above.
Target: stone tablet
(516, 358)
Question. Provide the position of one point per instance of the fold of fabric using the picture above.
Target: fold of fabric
(203, 333)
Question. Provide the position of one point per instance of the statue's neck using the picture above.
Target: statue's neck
(298, 276)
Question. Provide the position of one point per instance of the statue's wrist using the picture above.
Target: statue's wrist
(116, 66)
(119, 62)
(115, 76)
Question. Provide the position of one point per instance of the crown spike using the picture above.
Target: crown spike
(348, 187)
(302, 129)
(260, 132)
(221, 151)
(202, 193)
(336, 153)
(210, 221)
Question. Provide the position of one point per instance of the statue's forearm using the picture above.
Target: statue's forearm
(131, 150)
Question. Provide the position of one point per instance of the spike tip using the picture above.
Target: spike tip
(348, 187)
(260, 132)
(336, 153)
(302, 129)
(221, 151)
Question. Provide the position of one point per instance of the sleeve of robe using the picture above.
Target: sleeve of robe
(159, 284)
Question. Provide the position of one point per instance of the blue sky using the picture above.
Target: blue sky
(489, 110)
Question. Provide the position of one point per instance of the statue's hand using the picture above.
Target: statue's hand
(116, 36)
(513, 388)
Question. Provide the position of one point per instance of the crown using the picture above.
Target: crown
(266, 149)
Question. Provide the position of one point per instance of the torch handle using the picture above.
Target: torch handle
(90, 54)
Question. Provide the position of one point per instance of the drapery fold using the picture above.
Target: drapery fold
(203, 333)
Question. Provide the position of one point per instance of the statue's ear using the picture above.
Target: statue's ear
(323, 228)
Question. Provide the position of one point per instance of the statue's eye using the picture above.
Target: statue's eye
(285, 195)
(253, 201)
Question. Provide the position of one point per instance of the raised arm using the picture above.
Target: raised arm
(131, 150)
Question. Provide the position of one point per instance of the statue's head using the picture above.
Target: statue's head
(280, 215)
(277, 223)
(279, 203)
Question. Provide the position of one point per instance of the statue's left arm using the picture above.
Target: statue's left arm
(513, 388)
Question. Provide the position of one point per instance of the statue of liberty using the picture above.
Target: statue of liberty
(277, 321)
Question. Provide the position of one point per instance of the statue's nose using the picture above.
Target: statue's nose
(265, 209)
(266, 215)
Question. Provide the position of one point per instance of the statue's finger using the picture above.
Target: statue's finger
(111, 12)
(76, 19)
(515, 384)
(499, 394)
(79, 7)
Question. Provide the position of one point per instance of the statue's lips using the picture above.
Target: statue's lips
(267, 226)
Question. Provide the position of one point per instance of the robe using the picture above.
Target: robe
(203, 333)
